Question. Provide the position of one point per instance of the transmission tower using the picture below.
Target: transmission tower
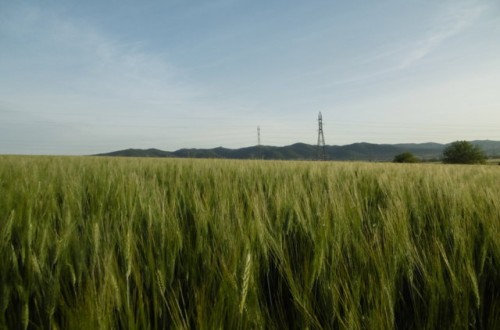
(258, 136)
(321, 139)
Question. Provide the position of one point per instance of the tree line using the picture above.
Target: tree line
(458, 152)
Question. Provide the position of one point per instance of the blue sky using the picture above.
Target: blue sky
(83, 77)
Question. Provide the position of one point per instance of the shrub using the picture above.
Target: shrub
(463, 152)
(405, 157)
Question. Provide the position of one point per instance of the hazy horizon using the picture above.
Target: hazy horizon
(90, 77)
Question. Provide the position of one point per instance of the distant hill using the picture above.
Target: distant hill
(138, 153)
(301, 151)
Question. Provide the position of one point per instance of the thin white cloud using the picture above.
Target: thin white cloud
(126, 71)
(454, 19)
(82, 77)
(97, 65)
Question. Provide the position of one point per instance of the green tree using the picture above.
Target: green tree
(463, 152)
(405, 157)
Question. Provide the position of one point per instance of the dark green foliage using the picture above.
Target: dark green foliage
(405, 157)
(463, 152)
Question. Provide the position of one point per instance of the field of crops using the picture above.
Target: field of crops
(88, 243)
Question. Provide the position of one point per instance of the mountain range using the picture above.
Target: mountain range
(301, 151)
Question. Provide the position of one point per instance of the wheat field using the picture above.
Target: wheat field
(103, 243)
